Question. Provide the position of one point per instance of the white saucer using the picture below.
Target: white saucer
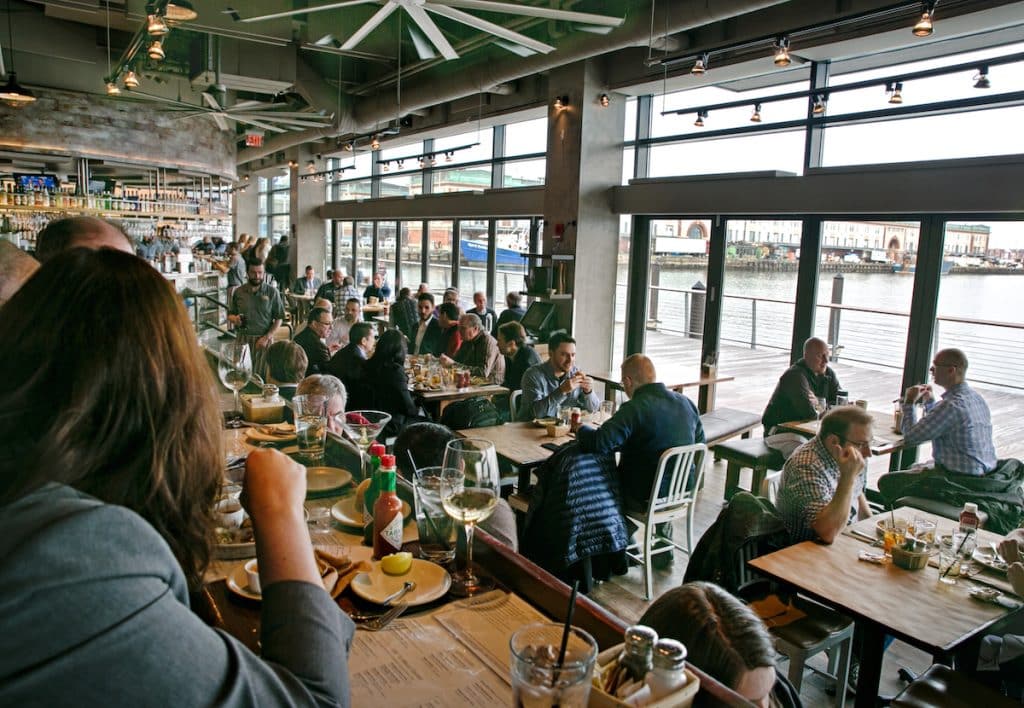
(344, 512)
(238, 583)
(988, 558)
(326, 479)
(432, 582)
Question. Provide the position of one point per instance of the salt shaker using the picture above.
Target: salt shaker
(668, 671)
(635, 660)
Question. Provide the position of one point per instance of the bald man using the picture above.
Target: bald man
(80, 232)
(16, 267)
(651, 421)
(800, 387)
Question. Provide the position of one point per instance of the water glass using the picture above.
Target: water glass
(537, 680)
(949, 566)
(311, 425)
(607, 410)
(924, 530)
(436, 528)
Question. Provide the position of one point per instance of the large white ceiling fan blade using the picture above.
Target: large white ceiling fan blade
(424, 49)
(489, 27)
(517, 49)
(219, 119)
(371, 24)
(260, 124)
(532, 11)
(430, 29)
(275, 119)
(211, 101)
(305, 10)
(251, 105)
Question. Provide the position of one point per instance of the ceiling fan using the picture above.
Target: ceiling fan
(417, 11)
(274, 117)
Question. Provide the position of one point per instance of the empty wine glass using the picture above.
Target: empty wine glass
(234, 366)
(469, 498)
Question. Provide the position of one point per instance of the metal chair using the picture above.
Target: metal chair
(513, 403)
(676, 463)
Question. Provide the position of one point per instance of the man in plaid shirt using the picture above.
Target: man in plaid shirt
(959, 426)
(822, 488)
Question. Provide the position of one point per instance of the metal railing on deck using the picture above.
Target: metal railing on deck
(197, 298)
(867, 335)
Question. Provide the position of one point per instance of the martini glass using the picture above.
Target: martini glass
(362, 428)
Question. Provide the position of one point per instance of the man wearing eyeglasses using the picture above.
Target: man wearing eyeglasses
(959, 426)
(311, 339)
(822, 488)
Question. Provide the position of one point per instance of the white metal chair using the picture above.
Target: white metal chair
(770, 485)
(676, 463)
(513, 403)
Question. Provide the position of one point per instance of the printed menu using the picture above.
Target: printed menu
(455, 656)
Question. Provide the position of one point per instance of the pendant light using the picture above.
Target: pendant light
(156, 51)
(131, 81)
(12, 93)
(156, 27)
(180, 11)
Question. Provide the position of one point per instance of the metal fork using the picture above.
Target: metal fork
(378, 623)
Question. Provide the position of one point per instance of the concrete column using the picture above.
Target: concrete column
(309, 244)
(584, 160)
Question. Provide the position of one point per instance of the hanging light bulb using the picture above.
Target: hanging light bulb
(156, 27)
(701, 65)
(981, 78)
(375, 143)
(819, 104)
(756, 116)
(896, 95)
(701, 115)
(112, 89)
(604, 100)
(350, 146)
(924, 27)
(782, 52)
(156, 51)
(131, 81)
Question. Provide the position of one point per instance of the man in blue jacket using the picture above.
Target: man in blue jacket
(651, 421)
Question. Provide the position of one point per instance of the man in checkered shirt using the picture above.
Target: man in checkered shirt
(822, 488)
(959, 426)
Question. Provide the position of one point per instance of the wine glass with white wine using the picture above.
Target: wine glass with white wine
(470, 498)
(235, 370)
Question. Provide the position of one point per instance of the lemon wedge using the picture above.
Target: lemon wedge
(396, 563)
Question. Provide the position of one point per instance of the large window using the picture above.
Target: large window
(513, 239)
(439, 254)
(273, 206)
(411, 236)
(354, 182)
(473, 244)
(364, 252)
(475, 146)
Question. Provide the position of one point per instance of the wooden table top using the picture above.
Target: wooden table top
(885, 441)
(910, 604)
(519, 443)
(457, 394)
(376, 308)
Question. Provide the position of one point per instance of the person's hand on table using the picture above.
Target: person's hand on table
(1010, 547)
(446, 360)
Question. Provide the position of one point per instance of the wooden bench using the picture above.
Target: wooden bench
(724, 423)
(748, 453)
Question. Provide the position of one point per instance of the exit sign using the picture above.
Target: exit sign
(254, 140)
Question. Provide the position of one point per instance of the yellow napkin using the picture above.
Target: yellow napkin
(337, 572)
(774, 613)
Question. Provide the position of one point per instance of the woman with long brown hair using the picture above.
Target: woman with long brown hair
(110, 461)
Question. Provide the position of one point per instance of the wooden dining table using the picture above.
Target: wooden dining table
(674, 379)
(886, 439)
(910, 605)
(513, 573)
(440, 399)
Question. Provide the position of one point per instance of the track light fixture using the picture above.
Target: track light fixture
(311, 166)
(981, 78)
(561, 102)
(156, 27)
(782, 52)
(924, 27)
(701, 65)
(449, 156)
(895, 92)
(375, 143)
(604, 100)
(156, 51)
(131, 81)
(292, 164)
(112, 89)
(422, 162)
(386, 167)
(701, 115)
(400, 164)
(819, 104)
(350, 146)
(756, 115)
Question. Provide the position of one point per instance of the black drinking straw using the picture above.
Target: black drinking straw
(565, 632)
(950, 566)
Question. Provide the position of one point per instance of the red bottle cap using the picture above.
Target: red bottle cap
(387, 461)
(377, 450)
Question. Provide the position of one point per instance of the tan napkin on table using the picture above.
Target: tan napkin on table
(337, 572)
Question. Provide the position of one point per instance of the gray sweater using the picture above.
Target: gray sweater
(94, 612)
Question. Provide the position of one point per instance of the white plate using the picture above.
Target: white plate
(255, 434)
(988, 558)
(325, 479)
(238, 583)
(344, 512)
(984, 594)
(432, 581)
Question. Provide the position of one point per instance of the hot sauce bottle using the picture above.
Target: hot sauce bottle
(387, 512)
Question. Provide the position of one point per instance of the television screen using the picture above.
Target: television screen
(537, 318)
(32, 183)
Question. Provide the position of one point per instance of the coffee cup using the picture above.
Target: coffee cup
(252, 572)
(861, 403)
(229, 513)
